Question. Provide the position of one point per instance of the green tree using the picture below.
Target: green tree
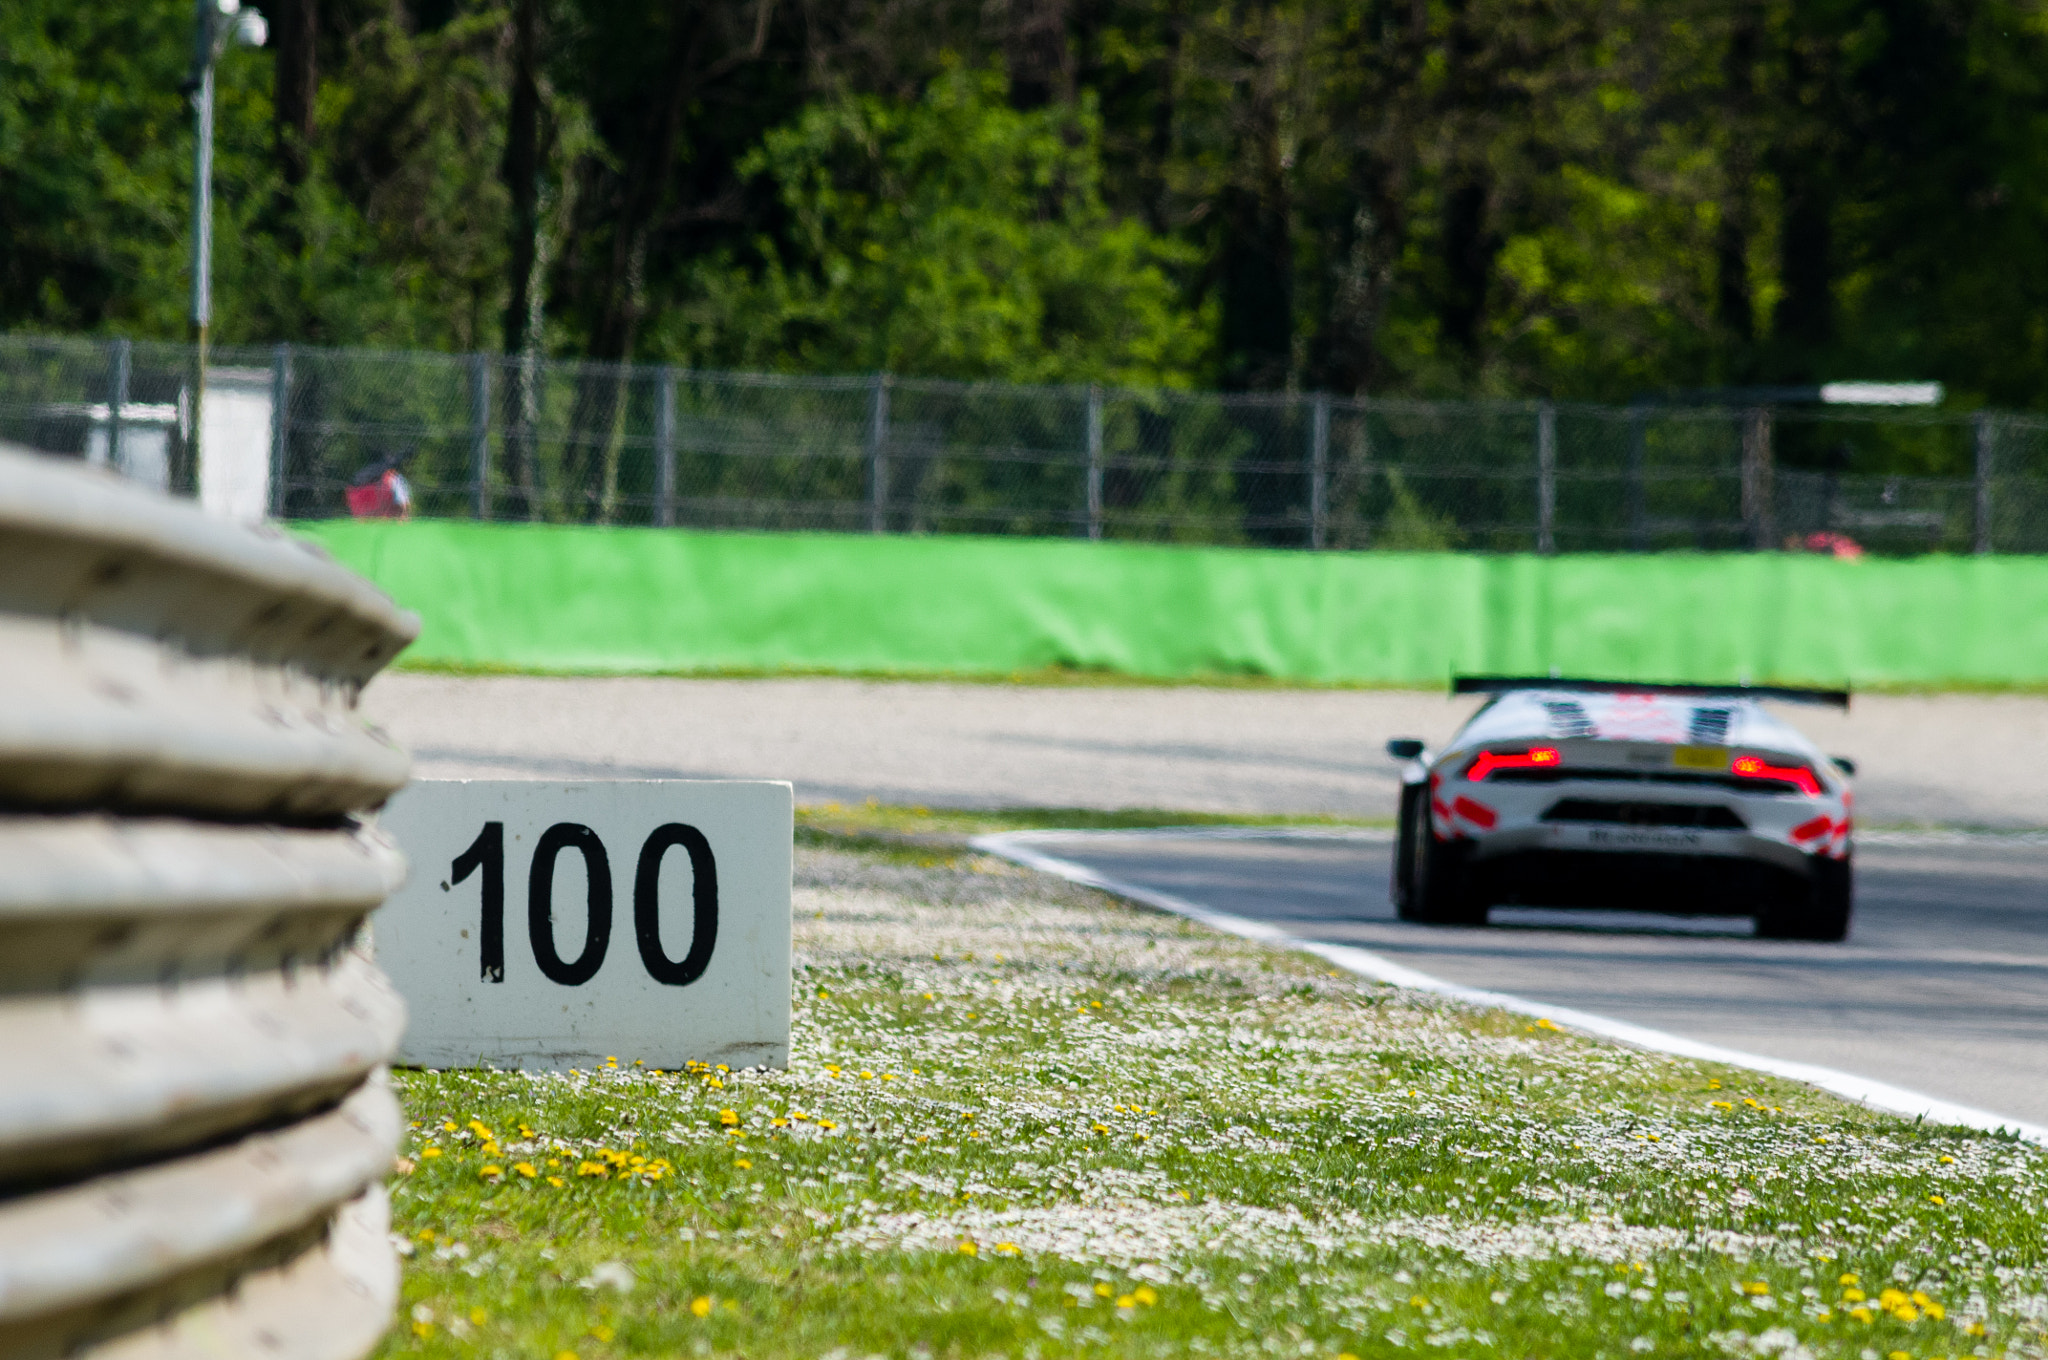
(954, 236)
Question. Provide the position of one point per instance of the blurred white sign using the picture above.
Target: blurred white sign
(556, 925)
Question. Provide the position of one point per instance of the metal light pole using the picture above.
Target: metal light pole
(217, 24)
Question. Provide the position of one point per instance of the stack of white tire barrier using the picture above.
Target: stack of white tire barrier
(195, 1125)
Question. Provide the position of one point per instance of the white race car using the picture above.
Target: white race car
(1670, 798)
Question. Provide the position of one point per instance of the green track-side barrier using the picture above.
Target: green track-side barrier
(571, 599)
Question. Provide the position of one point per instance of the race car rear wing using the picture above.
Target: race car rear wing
(1502, 684)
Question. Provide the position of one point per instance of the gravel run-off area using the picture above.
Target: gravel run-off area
(1021, 1119)
(1940, 759)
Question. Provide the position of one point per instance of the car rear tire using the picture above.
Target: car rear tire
(1408, 825)
(1439, 891)
(1819, 910)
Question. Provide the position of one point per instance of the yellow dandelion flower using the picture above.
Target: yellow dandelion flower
(592, 1169)
(827, 1124)
(1947, 1160)
(1103, 1290)
(701, 1306)
(1126, 1301)
(967, 1248)
(1757, 1287)
(1891, 1298)
(602, 1332)
(1936, 1199)
(1853, 1295)
(728, 1117)
(565, 1355)
(1008, 1249)
(1863, 1315)
(526, 1169)
(744, 1165)
(1850, 1278)
(422, 1328)
(555, 1181)
(1146, 1295)
(490, 1172)
(430, 1150)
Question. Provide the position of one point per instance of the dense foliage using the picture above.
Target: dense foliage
(1581, 198)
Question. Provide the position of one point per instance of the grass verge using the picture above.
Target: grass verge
(1023, 1120)
(874, 825)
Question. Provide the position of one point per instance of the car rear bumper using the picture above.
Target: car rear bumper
(1607, 838)
(1694, 884)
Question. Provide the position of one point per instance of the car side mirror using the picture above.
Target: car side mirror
(1846, 765)
(1404, 748)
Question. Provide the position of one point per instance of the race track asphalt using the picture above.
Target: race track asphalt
(1942, 987)
(1924, 759)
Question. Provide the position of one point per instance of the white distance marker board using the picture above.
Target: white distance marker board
(555, 925)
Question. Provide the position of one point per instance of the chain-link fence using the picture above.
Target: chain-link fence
(288, 431)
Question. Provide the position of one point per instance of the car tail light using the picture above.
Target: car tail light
(1756, 767)
(1535, 758)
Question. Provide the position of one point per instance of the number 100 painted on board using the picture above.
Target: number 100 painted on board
(487, 852)
(711, 978)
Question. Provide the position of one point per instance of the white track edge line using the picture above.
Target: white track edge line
(1016, 846)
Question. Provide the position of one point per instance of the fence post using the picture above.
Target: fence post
(1987, 451)
(1319, 472)
(118, 364)
(1546, 478)
(479, 436)
(1094, 461)
(1757, 519)
(665, 449)
(878, 455)
(280, 425)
